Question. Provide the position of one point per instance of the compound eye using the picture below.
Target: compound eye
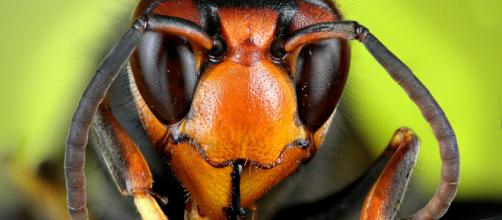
(321, 73)
(167, 76)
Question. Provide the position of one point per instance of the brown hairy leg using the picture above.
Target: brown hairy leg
(125, 162)
(384, 198)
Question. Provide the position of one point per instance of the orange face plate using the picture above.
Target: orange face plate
(244, 109)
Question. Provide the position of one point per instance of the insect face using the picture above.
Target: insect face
(243, 105)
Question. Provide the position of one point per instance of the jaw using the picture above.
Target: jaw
(211, 190)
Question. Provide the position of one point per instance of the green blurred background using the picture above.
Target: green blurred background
(49, 50)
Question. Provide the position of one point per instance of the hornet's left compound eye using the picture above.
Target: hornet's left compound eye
(167, 76)
(321, 72)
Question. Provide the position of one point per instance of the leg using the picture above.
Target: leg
(439, 203)
(148, 208)
(125, 162)
(345, 203)
(385, 196)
